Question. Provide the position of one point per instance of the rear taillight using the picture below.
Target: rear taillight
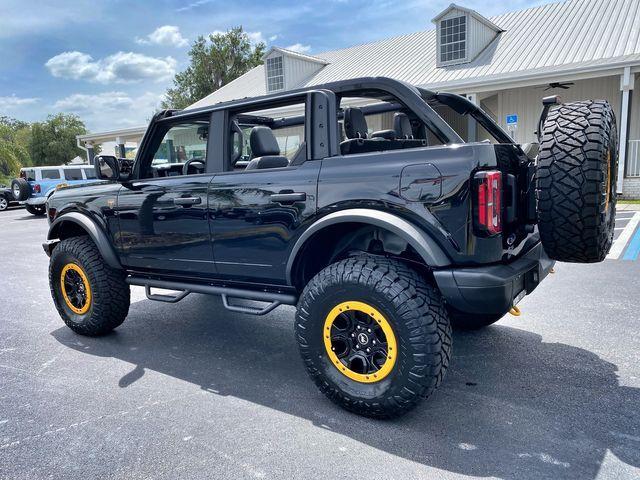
(36, 188)
(489, 205)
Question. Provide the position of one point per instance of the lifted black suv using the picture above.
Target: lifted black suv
(355, 201)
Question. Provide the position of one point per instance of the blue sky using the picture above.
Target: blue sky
(110, 61)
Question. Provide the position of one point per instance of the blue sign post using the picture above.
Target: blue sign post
(512, 119)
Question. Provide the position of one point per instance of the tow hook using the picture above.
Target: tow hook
(515, 311)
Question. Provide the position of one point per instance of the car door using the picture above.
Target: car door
(259, 206)
(163, 214)
(254, 217)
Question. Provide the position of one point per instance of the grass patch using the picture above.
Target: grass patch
(629, 202)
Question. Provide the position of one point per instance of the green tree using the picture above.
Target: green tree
(14, 143)
(215, 61)
(53, 142)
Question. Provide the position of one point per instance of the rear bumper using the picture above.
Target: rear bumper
(494, 289)
(35, 201)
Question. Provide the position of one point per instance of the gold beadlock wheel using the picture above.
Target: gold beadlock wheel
(360, 342)
(75, 288)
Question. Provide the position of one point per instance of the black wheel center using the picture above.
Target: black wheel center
(358, 342)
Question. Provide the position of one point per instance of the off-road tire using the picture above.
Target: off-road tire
(37, 210)
(110, 295)
(576, 181)
(22, 186)
(469, 321)
(416, 313)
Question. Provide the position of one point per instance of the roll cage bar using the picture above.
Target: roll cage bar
(396, 93)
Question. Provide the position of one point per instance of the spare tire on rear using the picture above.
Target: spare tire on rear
(576, 181)
(20, 189)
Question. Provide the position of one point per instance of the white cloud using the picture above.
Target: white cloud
(273, 38)
(167, 36)
(7, 103)
(255, 37)
(121, 67)
(80, 102)
(193, 5)
(298, 47)
(111, 110)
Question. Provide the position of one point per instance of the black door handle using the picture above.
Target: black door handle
(187, 201)
(288, 197)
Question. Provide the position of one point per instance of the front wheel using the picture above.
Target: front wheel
(37, 210)
(374, 336)
(91, 297)
(4, 203)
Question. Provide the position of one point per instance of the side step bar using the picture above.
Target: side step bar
(274, 299)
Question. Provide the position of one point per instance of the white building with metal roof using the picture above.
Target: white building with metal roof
(578, 49)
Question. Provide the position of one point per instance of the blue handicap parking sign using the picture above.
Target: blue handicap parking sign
(512, 119)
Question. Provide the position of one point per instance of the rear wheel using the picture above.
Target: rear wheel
(576, 181)
(37, 210)
(91, 297)
(374, 336)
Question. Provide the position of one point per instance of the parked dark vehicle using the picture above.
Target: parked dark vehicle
(6, 198)
(383, 239)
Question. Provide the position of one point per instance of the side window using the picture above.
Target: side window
(50, 174)
(73, 173)
(289, 139)
(29, 175)
(89, 173)
(268, 139)
(183, 144)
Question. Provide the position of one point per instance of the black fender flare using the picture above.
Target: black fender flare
(427, 248)
(96, 233)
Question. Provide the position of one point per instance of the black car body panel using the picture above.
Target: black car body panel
(255, 228)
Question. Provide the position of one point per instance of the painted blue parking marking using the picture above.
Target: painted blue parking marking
(634, 247)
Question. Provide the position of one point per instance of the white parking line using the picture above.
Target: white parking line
(625, 236)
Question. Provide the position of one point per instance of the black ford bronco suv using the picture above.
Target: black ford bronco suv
(358, 202)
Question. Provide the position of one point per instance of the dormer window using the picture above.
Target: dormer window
(462, 35)
(275, 74)
(453, 39)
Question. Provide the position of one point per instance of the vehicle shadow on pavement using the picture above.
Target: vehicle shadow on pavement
(511, 406)
(28, 216)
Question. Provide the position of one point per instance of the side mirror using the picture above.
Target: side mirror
(107, 167)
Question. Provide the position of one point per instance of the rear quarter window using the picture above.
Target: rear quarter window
(73, 173)
(28, 175)
(50, 174)
(90, 173)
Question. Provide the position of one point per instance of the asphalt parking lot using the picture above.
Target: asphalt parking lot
(193, 391)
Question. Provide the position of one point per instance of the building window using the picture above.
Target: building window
(453, 39)
(275, 74)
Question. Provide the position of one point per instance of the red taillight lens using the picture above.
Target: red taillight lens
(489, 204)
(36, 188)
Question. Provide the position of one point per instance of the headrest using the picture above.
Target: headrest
(263, 142)
(355, 126)
(402, 125)
(384, 134)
